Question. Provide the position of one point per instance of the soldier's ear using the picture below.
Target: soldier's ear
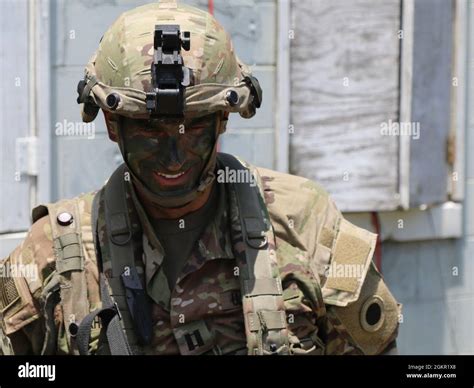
(110, 122)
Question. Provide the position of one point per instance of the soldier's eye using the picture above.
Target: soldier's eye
(197, 127)
(149, 126)
(202, 123)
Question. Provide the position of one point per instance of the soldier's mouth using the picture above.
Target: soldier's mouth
(171, 179)
(170, 176)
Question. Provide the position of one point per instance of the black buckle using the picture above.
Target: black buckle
(236, 297)
(117, 310)
(120, 231)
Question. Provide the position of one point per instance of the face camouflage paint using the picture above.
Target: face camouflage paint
(169, 154)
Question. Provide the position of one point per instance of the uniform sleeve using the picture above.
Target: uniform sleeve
(361, 313)
(25, 271)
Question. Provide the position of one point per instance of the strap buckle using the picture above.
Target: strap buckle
(255, 232)
(117, 310)
(120, 231)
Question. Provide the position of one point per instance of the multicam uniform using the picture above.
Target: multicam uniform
(325, 314)
(287, 295)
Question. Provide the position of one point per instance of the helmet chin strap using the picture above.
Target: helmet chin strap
(179, 198)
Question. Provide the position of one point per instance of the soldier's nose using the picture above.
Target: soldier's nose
(175, 162)
(174, 167)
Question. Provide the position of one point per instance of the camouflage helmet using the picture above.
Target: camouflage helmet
(122, 65)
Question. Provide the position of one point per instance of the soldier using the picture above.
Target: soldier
(186, 250)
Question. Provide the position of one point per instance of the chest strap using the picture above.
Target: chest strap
(126, 284)
(254, 248)
(110, 318)
(68, 250)
(125, 304)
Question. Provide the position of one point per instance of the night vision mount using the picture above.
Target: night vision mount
(169, 75)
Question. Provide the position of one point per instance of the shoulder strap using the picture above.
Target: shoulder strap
(68, 249)
(126, 312)
(126, 285)
(110, 318)
(253, 241)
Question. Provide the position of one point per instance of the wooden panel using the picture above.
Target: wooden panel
(14, 104)
(470, 100)
(459, 97)
(344, 86)
(431, 100)
(437, 222)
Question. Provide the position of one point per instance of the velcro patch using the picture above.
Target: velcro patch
(327, 237)
(8, 293)
(349, 262)
(17, 308)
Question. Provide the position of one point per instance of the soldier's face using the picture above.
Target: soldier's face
(169, 155)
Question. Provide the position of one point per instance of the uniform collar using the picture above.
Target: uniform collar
(214, 242)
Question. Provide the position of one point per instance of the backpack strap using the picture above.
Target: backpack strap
(253, 242)
(110, 318)
(127, 286)
(68, 248)
(126, 310)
